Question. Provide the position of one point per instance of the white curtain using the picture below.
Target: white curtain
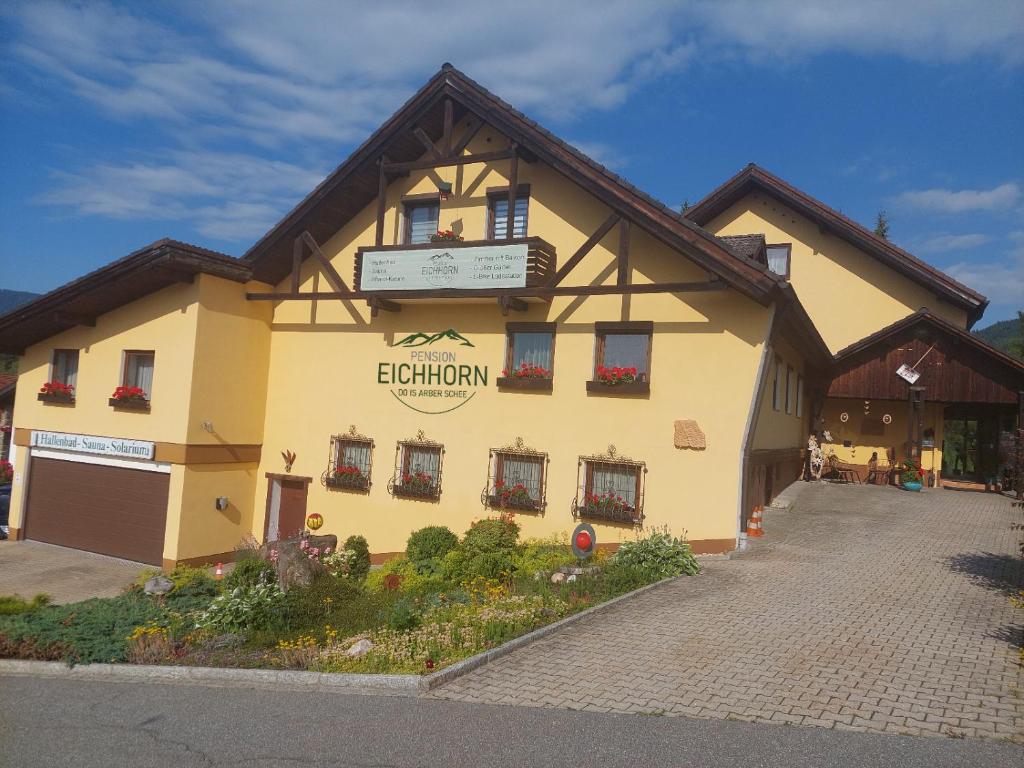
(609, 478)
(140, 372)
(627, 350)
(531, 348)
(521, 469)
(423, 460)
(65, 366)
(352, 454)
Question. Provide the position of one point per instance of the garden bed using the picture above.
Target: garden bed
(445, 602)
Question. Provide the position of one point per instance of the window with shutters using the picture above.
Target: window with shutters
(350, 462)
(497, 214)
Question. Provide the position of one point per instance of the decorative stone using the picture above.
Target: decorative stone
(359, 648)
(158, 585)
(575, 570)
(227, 640)
(557, 577)
(295, 568)
(571, 577)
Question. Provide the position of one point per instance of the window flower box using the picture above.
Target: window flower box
(624, 388)
(57, 392)
(418, 485)
(129, 399)
(349, 478)
(536, 385)
(445, 236)
(607, 506)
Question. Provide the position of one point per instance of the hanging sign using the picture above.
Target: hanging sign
(423, 269)
(907, 373)
(104, 446)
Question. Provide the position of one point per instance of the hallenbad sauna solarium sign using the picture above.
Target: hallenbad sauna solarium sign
(433, 373)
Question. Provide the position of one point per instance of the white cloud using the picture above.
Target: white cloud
(946, 243)
(958, 201)
(1001, 281)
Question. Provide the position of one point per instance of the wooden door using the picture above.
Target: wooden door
(291, 518)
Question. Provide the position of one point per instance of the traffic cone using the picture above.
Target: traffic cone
(219, 571)
(754, 528)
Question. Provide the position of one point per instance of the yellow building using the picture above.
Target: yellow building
(400, 351)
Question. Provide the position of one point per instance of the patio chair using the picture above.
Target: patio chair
(880, 472)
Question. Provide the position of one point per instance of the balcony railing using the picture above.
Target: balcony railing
(455, 268)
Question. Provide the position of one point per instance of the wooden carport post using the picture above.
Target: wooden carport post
(914, 423)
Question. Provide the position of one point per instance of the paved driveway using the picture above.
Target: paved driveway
(66, 575)
(863, 608)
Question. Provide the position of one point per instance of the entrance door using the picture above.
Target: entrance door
(960, 449)
(286, 508)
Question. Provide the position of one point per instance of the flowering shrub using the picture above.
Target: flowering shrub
(528, 371)
(243, 608)
(609, 505)
(445, 236)
(149, 644)
(57, 388)
(129, 394)
(517, 495)
(6, 472)
(910, 472)
(349, 476)
(418, 484)
(339, 563)
(616, 375)
(312, 552)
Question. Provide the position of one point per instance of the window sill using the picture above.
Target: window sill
(537, 385)
(407, 492)
(55, 399)
(633, 388)
(626, 517)
(129, 405)
(532, 506)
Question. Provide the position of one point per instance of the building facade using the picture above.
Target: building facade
(468, 316)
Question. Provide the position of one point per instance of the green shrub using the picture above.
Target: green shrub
(487, 550)
(543, 555)
(411, 580)
(11, 605)
(244, 608)
(249, 572)
(404, 615)
(307, 606)
(659, 554)
(618, 578)
(427, 546)
(360, 565)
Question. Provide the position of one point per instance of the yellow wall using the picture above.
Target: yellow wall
(706, 351)
(205, 530)
(776, 428)
(847, 293)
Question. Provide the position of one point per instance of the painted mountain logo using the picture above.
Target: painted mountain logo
(441, 270)
(425, 339)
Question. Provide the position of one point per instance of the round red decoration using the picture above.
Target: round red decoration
(583, 540)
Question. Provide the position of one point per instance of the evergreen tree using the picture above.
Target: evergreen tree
(882, 225)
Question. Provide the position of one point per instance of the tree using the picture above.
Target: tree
(882, 225)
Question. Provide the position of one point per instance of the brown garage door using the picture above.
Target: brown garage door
(110, 510)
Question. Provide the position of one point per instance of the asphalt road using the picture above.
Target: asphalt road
(53, 722)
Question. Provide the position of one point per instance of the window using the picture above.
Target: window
(789, 389)
(418, 471)
(778, 258)
(623, 356)
(518, 479)
(351, 462)
(421, 220)
(612, 489)
(497, 213)
(138, 371)
(529, 355)
(64, 369)
(799, 396)
(777, 385)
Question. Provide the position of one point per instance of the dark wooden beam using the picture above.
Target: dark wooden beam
(417, 165)
(377, 304)
(63, 317)
(512, 303)
(513, 187)
(382, 199)
(584, 249)
(538, 292)
(420, 134)
(296, 263)
(446, 142)
(325, 264)
(475, 125)
(623, 258)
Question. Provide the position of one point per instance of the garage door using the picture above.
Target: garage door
(111, 510)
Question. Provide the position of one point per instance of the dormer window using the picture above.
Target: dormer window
(778, 258)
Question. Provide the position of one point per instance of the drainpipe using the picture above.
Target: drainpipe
(763, 372)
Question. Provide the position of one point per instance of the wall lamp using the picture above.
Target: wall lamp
(445, 189)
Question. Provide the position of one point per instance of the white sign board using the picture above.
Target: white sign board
(105, 446)
(908, 373)
(480, 267)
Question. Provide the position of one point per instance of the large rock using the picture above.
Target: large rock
(359, 648)
(295, 568)
(158, 585)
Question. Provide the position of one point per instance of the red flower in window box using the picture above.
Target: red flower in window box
(129, 394)
(516, 496)
(417, 484)
(348, 476)
(57, 388)
(528, 371)
(608, 505)
(616, 375)
(6, 472)
(445, 236)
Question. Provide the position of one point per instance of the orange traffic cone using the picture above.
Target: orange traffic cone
(219, 571)
(754, 524)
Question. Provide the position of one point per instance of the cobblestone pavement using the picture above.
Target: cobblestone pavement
(863, 608)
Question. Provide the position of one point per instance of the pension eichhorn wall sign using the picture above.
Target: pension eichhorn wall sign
(433, 373)
(477, 267)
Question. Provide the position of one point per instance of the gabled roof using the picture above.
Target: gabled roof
(754, 178)
(353, 185)
(927, 317)
(141, 272)
(749, 246)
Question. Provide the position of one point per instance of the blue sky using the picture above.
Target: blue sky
(207, 121)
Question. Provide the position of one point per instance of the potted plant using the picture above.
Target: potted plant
(911, 476)
(615, 376)
(445, 236)
(348, 476)
(526, 376)
(417, 484)
(516, 496)
(528, 371)
(57, 392)
(608, 505)
(130, 397)
(6, 472)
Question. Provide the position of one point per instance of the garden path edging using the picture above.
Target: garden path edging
(339, 682)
